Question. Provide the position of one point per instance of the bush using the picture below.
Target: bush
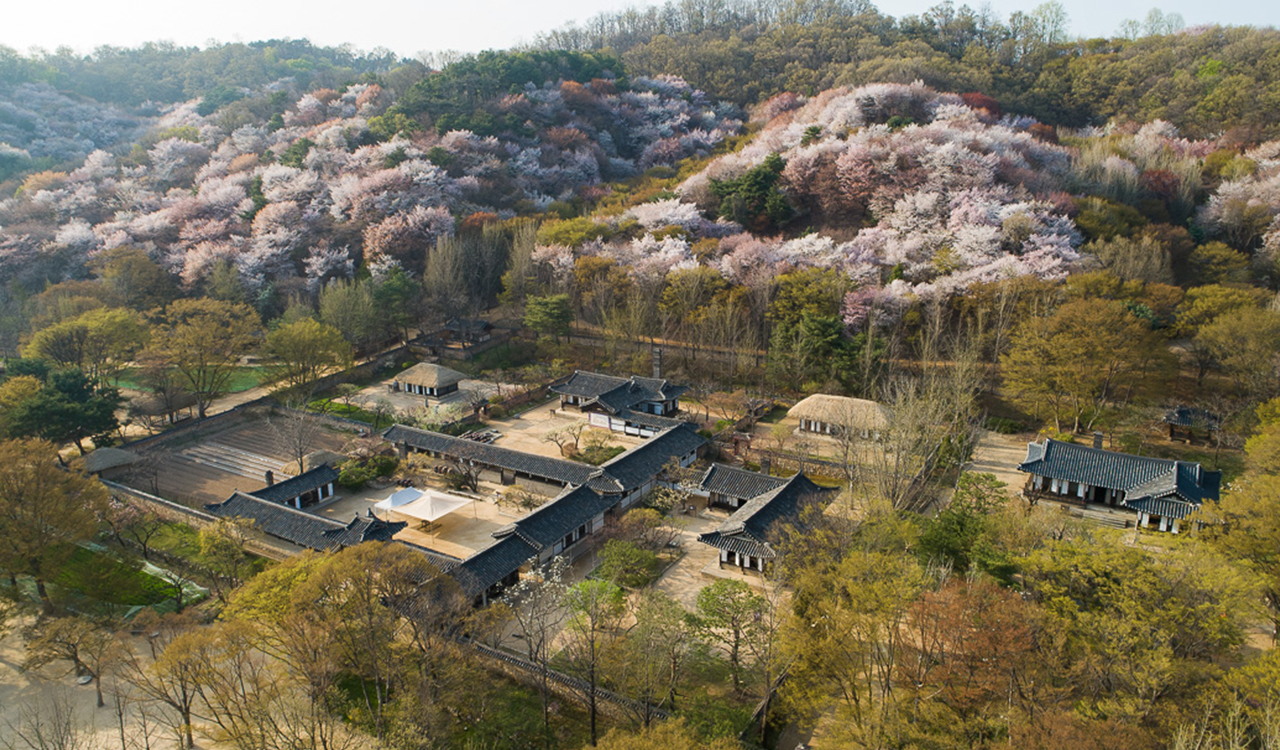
(354, 473)
(1004, 426)
(497, 412)
(626, 564)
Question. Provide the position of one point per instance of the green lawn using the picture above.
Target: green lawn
(242, 379)
(339, 409)
(181, 540)
(597, 455)
(103, 577)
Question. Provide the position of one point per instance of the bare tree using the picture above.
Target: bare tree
(537, 603)
(90, 649)
(295, 431)
(478, 397)
(565, 437)
(49, 724)
(381, 408)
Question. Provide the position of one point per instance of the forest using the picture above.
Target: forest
(995, 229)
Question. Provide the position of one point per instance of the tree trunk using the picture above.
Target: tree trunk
(189, 736)
(44, 593)
(546, 709)
(592, 704)
(97, 686)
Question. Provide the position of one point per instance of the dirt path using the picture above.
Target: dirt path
(1000, 455)
(684, 580)
(22, 693)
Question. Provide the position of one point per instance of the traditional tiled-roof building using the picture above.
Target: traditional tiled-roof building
(1161, 492)
(302, 491)
(729, 487)
(302, 528)
(635, 405)
(746, 539)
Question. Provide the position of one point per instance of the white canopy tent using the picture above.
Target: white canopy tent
(427, 505)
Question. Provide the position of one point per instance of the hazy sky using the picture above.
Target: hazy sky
(410, 26)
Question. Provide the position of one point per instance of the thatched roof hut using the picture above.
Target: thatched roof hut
(825, 413)
(105, 459)
(429, 379)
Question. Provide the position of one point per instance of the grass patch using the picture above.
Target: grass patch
(1229, 462)
(243, 379)
(508, 356)
(348, 411)
(514, 719)
(181, 540)
(177, 539)
(597, 454)
(775, 415)
(106, 578)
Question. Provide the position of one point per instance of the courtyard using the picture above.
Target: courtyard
(206, 466)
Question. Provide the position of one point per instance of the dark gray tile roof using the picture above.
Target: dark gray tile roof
(302, 528)
(615, 393)
(462, 325)
(1186, 416)
(645, 461)
(1169, 507)
(305, 482)
(559, 517)
(647, 420)
(491, 565)
(621, 473)
(739, 483)
(1137, 476)
(553, 469)
(748, 530)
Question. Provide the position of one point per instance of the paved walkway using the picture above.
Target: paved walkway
(685, 579)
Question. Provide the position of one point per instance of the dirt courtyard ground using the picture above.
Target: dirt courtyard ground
(406, 403)
(461, 533)
(1000, 455)
(22, 692)
(208, 467)
(525, 432)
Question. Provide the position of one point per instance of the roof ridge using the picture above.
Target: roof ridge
(1091, 449)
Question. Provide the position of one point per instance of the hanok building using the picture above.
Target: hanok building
(466, 332)
(636, 406)
(746, 539)
(303, 491)
(304, 529)
(728, 487)
(625, 478)
(426, 379)
(824, 414)
(1159, 491)
(1187, 423)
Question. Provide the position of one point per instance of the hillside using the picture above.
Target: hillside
(337, 177)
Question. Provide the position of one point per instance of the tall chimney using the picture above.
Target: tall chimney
(657, 362)
(271, 477)
(1097, 439)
